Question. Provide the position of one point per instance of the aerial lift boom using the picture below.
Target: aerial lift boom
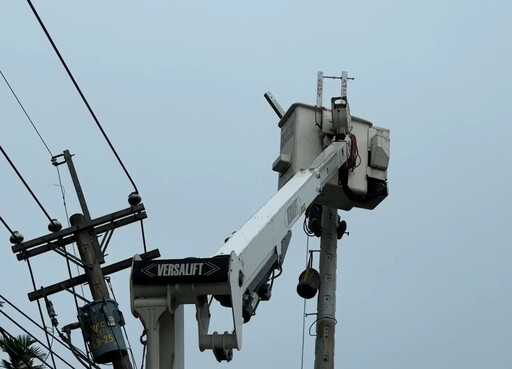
(240, 274)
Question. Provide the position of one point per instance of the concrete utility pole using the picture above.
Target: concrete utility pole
(326, 307)
(93, 272)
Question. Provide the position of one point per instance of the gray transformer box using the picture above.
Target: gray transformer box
(306, 129)
(101, 323)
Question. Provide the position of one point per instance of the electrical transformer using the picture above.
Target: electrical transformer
(101, 323)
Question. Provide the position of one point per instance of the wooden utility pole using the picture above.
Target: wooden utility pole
(100, 320)
(88, 256)
(93, 272)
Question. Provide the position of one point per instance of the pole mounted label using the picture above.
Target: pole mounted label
(181, 270)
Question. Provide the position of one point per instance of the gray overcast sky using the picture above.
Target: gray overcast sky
(424, 280)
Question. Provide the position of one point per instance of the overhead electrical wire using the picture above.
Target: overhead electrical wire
(24, 111)
(25, 183)
(34, 11)
(64, 342)
(143, 235)
(56, 167)
(46, 333)
(38, 341)
(109, 284)
(49, 151)
(84, 99)
(305, 301)
(28, 261)
(8, 228)
(316, 322)
(60, 184)
(8, 335)
(143, 356)
(39, 135)
(14, 235)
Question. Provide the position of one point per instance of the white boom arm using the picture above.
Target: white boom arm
(237, 275)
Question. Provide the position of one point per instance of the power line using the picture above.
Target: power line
(143, 235)
(8, 228)
(41, 312)
(97, 123)
(40, 137)
(37, 340)
(65, 344)
(109, 284)
(8, 335)
(26, 185)
(24, 111)
(304, 309)
(60, 185)
(32, 193)
(62, 191)
(81, 94)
